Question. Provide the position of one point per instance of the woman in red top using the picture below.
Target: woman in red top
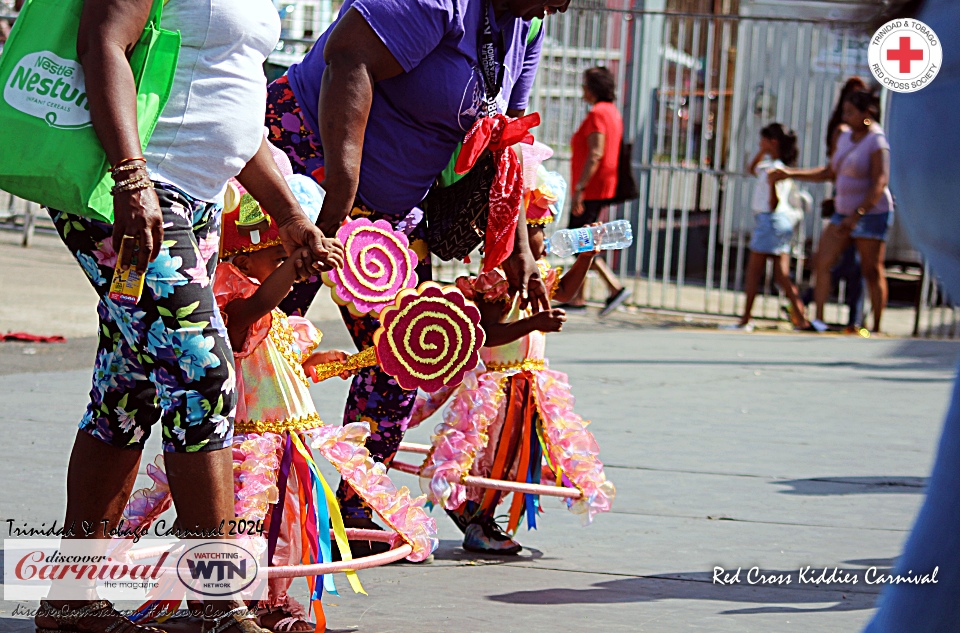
(593, 166)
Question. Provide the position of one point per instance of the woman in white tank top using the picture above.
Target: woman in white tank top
(166, 358)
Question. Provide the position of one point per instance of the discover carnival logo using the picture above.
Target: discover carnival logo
(156, 569)
(905, 55)
(49, 87)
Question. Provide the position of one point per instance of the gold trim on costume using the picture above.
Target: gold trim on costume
(304, 423)
(252, 248)
(281, 333)
(527, 364)
(540, 221)
(556, 283)
(366, 358)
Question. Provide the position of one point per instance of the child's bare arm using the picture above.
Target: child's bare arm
(752, 167)
(499, 333)
(244, 312)
(569, 285)
(328, 356)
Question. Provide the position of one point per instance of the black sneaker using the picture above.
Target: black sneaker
(615, 301)
(484, 536)
(459, 519)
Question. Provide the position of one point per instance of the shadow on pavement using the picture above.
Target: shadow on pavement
(16, 625)
(698, 586)
(755, 362)
(450, 550)
(828, 486)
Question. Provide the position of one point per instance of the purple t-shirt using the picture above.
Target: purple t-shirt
(851, 164)
(418, 117)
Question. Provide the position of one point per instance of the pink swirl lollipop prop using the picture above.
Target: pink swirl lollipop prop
(378, 266)
(429, 338)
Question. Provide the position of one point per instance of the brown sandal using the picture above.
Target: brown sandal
(68, 618)
(286, 623)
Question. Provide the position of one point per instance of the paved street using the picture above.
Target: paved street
(770, 450)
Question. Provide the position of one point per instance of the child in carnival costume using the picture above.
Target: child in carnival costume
(277, 483)
(512, 418)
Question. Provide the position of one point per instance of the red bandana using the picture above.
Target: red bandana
(497, 134)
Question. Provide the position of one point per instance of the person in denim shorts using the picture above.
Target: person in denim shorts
(860, 169)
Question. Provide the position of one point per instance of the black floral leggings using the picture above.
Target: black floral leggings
(167, 358)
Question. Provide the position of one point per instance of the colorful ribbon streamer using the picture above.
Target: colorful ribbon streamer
(331, 511)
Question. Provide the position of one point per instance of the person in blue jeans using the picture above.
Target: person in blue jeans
(923, 128)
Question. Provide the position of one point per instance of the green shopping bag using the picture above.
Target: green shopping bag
(49, 152)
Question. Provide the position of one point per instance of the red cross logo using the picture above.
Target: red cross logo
(905, 55)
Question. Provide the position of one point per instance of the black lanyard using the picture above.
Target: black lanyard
(491, 59)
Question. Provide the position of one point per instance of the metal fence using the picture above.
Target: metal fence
(695, 90)
(937, 316)
(21, 215)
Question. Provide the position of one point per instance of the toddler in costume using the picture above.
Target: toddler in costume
(276, 420)
(513, 414)
(277, 483)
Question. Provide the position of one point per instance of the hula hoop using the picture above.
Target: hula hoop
(563, 492)
(393, 555)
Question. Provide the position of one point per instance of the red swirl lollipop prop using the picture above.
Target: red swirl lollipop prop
(378, 266)
(428, 338)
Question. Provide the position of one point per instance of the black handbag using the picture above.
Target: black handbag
(457, 215)
(627, 188)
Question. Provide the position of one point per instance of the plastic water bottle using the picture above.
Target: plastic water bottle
(610, 236)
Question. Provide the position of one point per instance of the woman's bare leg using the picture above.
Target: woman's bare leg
(832, 243)
(609, 279)
(781, 274)
(100, 478)
(202, 488)
(872, 255)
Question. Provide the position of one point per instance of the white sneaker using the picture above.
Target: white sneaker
(819, 325)
(738, 327)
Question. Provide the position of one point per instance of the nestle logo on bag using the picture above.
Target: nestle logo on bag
(51, 88)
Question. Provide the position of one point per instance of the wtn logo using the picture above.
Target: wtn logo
(224, 569)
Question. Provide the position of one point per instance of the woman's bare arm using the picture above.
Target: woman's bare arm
(356, 59)
(823, 173)
(109, 29)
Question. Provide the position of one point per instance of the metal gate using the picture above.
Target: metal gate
(694, 91)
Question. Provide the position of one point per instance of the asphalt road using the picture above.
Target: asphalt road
(728, 450)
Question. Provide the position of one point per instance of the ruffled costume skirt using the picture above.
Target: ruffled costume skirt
(278, 487)
(514, 424)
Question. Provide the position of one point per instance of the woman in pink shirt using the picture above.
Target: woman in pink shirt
(860, 169)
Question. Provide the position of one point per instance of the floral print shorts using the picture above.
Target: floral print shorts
(167, 358)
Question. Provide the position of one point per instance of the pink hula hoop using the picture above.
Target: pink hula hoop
(396, 553)
(482, 482)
